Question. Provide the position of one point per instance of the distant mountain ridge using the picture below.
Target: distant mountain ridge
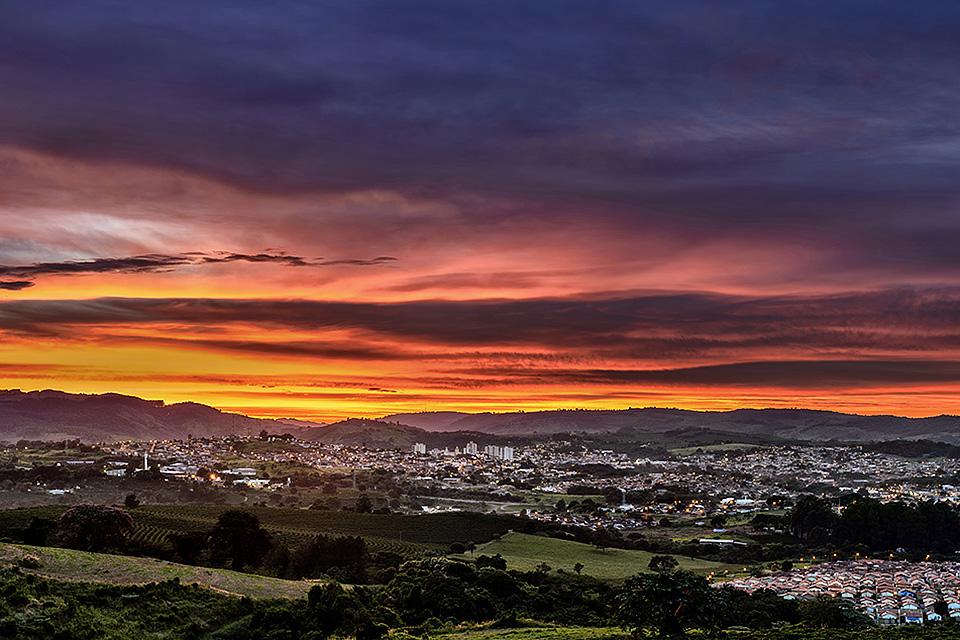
(55, 415)
(787, 424)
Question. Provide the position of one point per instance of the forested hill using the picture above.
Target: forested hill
(53, 415)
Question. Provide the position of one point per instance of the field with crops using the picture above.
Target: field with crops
(408, 535)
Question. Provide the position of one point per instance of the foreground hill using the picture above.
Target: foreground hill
(55, 415)
(104, 568)
(788, 424)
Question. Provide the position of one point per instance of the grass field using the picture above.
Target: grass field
(537, 633)
(525, 552)
(102, 568)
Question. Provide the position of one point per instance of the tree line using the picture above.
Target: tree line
(873, 526)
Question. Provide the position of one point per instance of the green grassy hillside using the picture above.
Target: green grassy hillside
(102, 568)
(525, 552)
(537, 633)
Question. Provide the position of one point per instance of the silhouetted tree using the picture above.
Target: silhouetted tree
(663, 563)
(93, 527)
(189, 546)
(239, 540)
(669, 601)
(364, 504)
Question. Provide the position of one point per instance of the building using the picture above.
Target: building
(471, 449)
(420, 448)
(499, 453)
(493, 451)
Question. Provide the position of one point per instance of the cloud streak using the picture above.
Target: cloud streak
(161, 263)
(15, 285)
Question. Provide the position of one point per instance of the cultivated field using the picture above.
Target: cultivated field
(408, 535)
(525, 552)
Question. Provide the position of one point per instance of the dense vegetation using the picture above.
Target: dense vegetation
(418, 596)
(872, 526)
(914, 448)
(425, 595)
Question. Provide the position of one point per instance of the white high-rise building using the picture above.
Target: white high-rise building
(507, 453)
(471, 449)
(420, 448)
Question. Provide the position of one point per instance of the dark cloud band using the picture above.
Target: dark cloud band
(158, 263)
(15, 285)
(678, 325)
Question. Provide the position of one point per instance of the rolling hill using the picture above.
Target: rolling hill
(55, 415)
(381, 434)
(104, 568)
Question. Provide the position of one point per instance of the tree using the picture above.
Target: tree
(761, 609)
(495, 562)
(831, 613)
(342, 557)
(364, 504)
(670, 602)
(578, 567)
(131, 501)
(238, 539)
(718, 521)
(662, 564)
(812, 518)
(93, 527)
(37, 532)
(189, 546)
(941, 608)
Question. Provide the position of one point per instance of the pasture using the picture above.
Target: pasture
(525, 552)
(103, 568)
(535, 633)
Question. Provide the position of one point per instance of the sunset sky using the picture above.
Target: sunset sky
(354, 208)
